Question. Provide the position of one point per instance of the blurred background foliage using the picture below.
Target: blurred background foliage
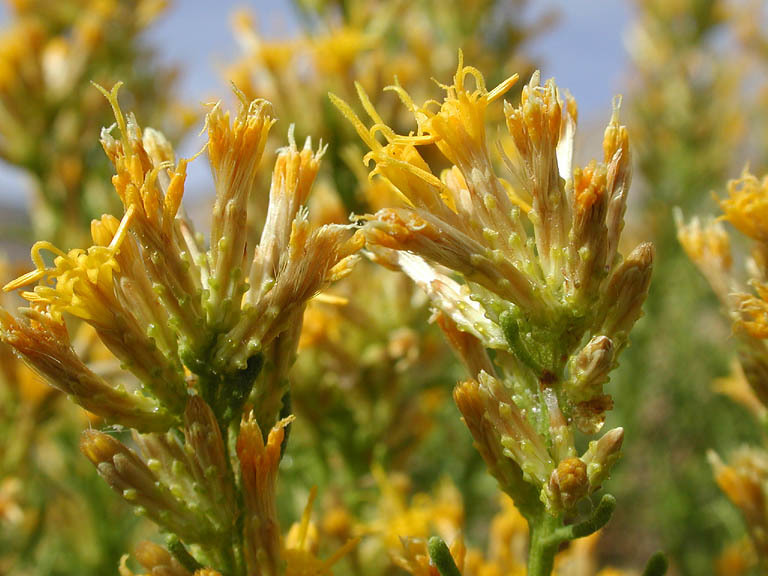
(372, 383)
(56, 515)
(694, 99)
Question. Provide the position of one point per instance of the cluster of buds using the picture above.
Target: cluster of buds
(205, 337)
(525, 266)
(745, 479)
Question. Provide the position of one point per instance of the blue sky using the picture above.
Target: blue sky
(584, 51)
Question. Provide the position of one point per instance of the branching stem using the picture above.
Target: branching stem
(548, 533)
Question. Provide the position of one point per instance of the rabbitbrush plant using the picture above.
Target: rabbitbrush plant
(524, 272)
(528, 282)
(197, 332)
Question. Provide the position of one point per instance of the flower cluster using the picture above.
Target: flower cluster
(558, 303)
(49, 114)
(404, 526)
(526, 266)
(708, 246)
(337, 43)
(203, 335)
(743, 478)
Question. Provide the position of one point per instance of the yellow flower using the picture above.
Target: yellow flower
(82, 279)
(399, 518)
(398, 161)
(754, 311)
(82, 283)
(458, 127)
(293, 261)
(709, 247)
(149, 180)
(235, 151)
(743, 480)
(467, 219)
(258, 466)
(538, 297)
(746, 206)
(299, 550)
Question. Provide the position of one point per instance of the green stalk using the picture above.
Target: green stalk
(547, 533)
(543, 543)
(237, 544)
(657, 565)
(441, 557)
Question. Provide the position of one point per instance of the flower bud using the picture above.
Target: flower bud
(568, 484)
(157, 559)
(622, 299)
(132, 478)
(588, 371)
(601, 456)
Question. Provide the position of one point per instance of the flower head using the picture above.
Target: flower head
(708, 246)
(178, 316)
(746, 303)
(258, 466)
(746, 206)
(536, 271)
(81, 282)
(192, 328)
(743, 480)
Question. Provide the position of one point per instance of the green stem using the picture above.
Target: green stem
(657, 565)
(180, 552)
(441, 557)
(543, 544)
(238, 545)
(599, 518)
(547, 533)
